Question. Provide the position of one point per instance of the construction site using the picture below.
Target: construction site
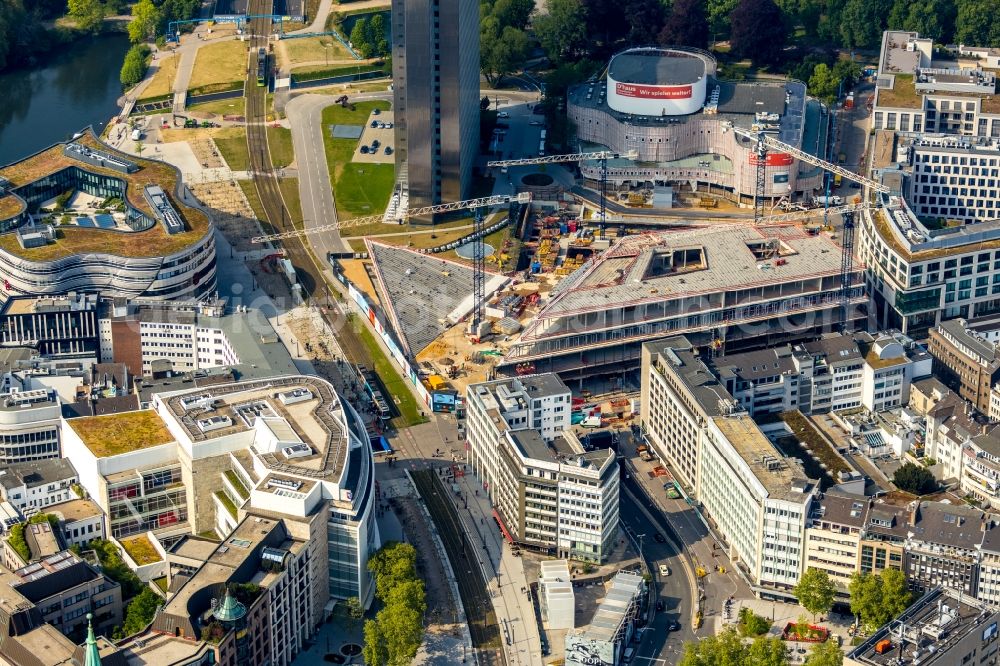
(572, 302)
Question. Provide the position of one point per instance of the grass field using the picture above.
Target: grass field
(279, 144)
(222, 107)
(387, 371)
(162, 82)
(314, 49)
(234, 150)
(359, 189)
(250, 191)
(290, 193)
(218, 65)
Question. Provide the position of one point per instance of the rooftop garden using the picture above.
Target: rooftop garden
(237, 484)
(226, 502)
(16, 538)
(805, 432)
(10, 206)
(902, 95)
(72, 239)
(140, 549)
(115, 434)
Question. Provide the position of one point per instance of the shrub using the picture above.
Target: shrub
(751, 624)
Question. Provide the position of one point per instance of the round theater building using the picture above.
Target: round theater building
(669, 106)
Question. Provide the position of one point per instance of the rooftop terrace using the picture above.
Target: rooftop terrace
(300, 435)
(115, 434)
(72, 239)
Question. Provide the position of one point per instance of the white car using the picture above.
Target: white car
(664, 570)
(503, 114)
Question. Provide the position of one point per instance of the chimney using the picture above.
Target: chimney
(914, 513)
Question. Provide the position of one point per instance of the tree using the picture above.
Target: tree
(976, 23)
(767, 652)
(134, 65)
(563, 30)
(861, 22)
(644, 20)
(895, 592)
(726, 648)
(403, 629)
(141, 611)
(815, 591)
(145, 18)
(723, 648)
(825, 654)
(501, 53)
(687, 25)
(88, 14)
(513, 13)
(915, 479)
(823, 84)
(359, 38)
(374, 650)
(931, 18)
(376, 36)
(757, 31)
(848, 71)
(719, 12)
(751, 624)
(876, 599)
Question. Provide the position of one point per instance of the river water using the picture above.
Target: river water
(72, 88)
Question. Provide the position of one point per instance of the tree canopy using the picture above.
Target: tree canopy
(757, 31)
(877, 598)
(815, 591)
(727, 648)
(915, 479)
(825, 654)
(88, 14)
(687, 25)
(393, 637)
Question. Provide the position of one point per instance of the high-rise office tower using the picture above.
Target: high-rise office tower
(435, 67)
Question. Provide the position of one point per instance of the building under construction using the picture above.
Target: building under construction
(728, 287)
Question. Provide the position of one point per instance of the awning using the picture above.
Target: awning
(503, 528)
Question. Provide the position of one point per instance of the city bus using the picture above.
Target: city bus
(261, 67)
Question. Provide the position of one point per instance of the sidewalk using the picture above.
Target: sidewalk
(508, 585)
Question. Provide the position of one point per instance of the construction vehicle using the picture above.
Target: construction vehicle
(603, 156)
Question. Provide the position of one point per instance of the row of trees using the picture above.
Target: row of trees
(728, 648)
(756, 29)
(394, 636)
(368, 37)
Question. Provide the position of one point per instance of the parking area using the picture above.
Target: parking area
(376, 143)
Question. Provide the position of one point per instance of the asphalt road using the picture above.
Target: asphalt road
(657, 644)
(318, 207)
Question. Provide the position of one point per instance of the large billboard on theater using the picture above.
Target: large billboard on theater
(653, 92)
(774, 159)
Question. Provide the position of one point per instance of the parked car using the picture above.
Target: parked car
(659, 537)
(364, 150)
(673, 626)
(375, 144)
(503, 114)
